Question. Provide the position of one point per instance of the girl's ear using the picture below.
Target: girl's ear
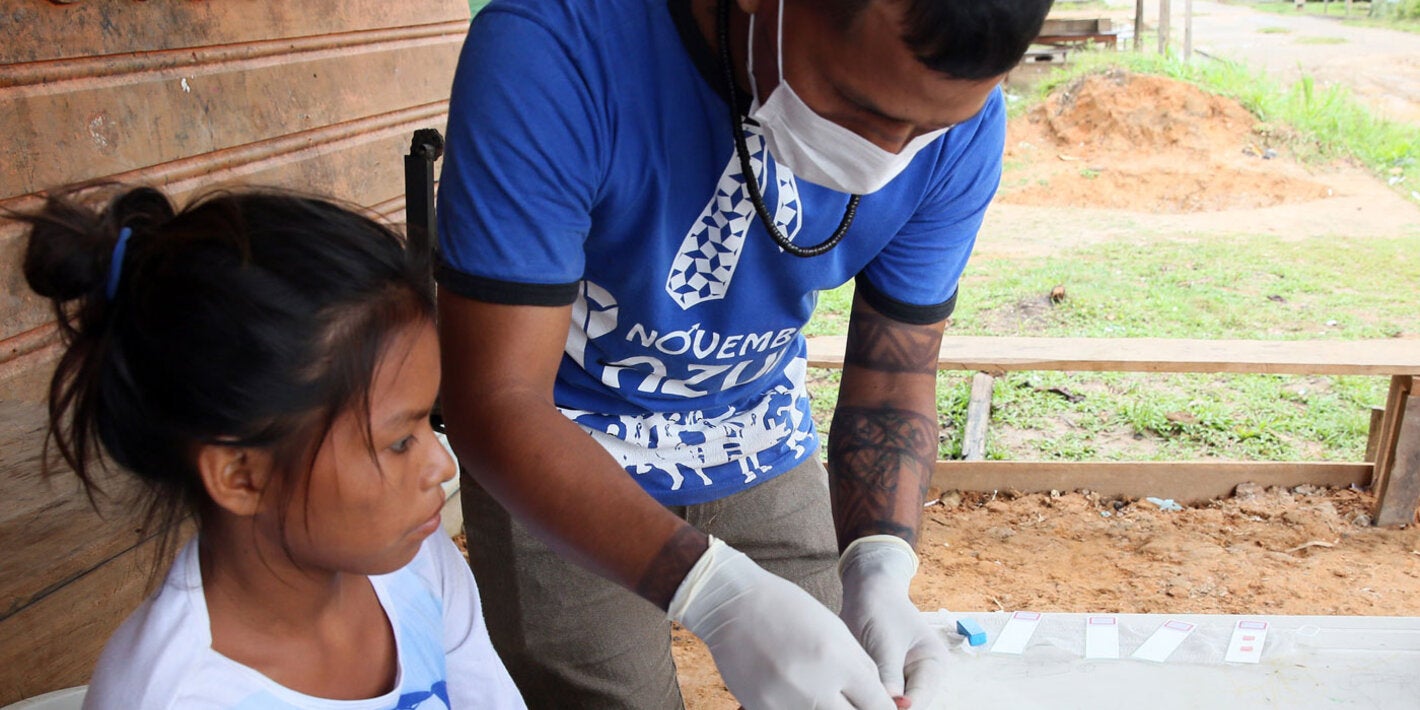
(234, 477)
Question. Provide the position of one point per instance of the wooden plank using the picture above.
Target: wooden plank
(1074, 26)
(54, 643)
(1296, 357)
(50, 31)
(1164, 6)
(1183, 481)
(1373, 433)
(978, 415)
(183, 95)
(1138, 23)
(1400, 388)
(52, 535)
(94, 123)
(1397, 497)
(358, 161)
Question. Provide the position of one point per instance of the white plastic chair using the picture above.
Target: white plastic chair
(66, 699)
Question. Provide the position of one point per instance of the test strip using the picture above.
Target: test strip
(1246, 644)
(1101, 637)
(1017, 632)
(1167, 638)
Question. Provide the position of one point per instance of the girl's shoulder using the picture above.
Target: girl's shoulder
(164, 642)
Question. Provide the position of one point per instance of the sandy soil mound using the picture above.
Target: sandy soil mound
(1147, 143)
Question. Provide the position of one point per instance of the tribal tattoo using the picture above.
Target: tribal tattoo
(880, 462)
(882, 445)
(667, 570)
(885, 345)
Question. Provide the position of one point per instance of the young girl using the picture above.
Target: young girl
(265, 363)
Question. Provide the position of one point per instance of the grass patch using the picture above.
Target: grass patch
(1240, 286)
(1325, 122)
(1321, 40)
(1274, 30)
(1255, 287)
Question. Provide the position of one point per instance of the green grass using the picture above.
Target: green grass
(1253, 288)
(1319, 123)
(1321, 40)
(1274, 30)
(1216, 287)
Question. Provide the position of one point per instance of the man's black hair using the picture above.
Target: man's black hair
(964, 39)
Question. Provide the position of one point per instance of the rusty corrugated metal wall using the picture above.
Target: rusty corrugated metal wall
(321, 95)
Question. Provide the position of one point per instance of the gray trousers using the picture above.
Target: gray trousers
(572, 639)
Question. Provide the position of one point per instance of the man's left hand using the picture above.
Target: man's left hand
(911, 656)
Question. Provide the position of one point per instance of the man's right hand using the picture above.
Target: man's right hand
(775, 645)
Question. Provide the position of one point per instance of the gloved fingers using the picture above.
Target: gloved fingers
(878, 700)
(862, 689)
(889, 659)
(926, 674)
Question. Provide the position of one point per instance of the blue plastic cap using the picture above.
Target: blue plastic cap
(975, 635)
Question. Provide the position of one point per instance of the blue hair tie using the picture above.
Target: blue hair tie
(115, 266)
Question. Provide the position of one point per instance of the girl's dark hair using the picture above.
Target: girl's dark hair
(249, 318)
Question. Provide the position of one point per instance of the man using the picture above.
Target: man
(627, 264)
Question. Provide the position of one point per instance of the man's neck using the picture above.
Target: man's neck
(706, 14)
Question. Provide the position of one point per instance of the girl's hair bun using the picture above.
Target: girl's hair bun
(71, 242)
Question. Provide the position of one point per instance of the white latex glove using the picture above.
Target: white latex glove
(775, 645)
(911, 656)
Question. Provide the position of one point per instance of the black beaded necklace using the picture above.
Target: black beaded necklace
(757, 197)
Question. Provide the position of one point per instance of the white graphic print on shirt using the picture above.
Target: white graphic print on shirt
(701, 445)
(710, 251)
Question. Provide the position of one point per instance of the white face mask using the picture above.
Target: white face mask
(816, 148)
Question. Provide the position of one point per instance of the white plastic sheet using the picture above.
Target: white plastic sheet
(1307, 662)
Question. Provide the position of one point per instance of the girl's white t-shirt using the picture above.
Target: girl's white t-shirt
(162, 656)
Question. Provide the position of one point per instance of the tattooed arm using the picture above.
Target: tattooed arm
(881, 449)
(883, 440)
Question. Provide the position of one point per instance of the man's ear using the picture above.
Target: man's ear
(235, 477)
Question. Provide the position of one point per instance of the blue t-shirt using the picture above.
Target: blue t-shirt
(590, 160)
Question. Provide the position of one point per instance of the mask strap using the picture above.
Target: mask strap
(727, 67)
(749, 63)
(779, 41)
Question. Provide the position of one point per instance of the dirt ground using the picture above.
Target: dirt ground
(1122, 156)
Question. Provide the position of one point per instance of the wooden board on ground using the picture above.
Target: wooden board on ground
(1187, 482)
(1397, 498)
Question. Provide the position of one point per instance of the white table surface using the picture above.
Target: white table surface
(1307, 662)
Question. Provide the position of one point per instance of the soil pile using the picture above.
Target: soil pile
(1148, 143)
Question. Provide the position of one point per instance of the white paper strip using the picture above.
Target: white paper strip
(1017, 632)
(1101, 637)
(1246, 644)
(1167, 638)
